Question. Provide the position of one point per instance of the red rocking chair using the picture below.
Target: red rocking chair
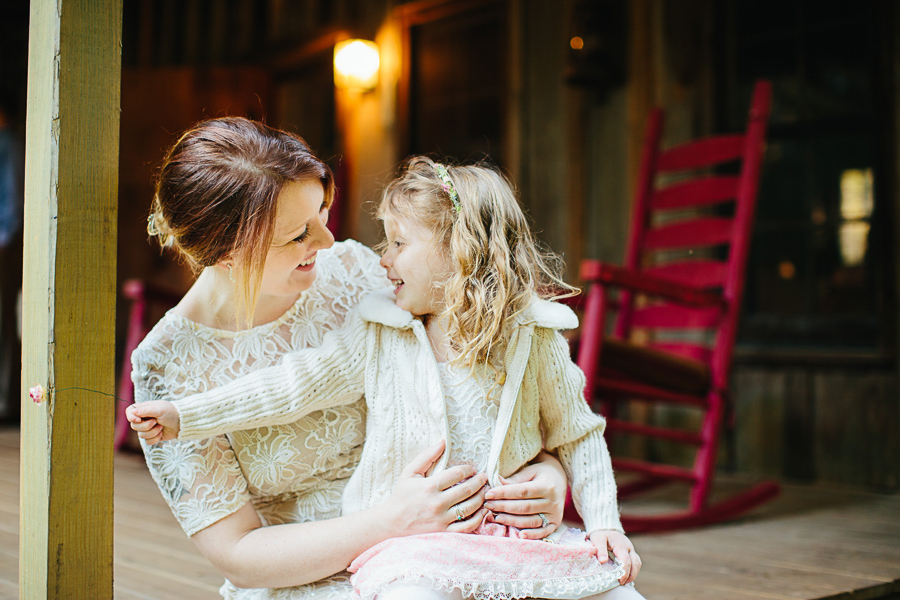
(146, 301)
(683, 272)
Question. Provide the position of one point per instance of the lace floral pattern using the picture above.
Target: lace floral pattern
(291, 473)
(471, 416)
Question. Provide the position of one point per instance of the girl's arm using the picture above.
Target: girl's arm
(251, 555)
(565, 415)
(575, 432)
(329, 375)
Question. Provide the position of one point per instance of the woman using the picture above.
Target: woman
(247, 207)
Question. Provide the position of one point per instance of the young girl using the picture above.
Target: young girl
(464, 348)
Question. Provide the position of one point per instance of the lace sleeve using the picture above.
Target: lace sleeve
(200, 480)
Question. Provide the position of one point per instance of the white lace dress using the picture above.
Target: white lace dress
(291, 473)
(471, 415)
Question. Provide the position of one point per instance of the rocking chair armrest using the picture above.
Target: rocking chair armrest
(595, 271)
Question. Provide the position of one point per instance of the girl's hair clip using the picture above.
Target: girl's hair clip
(448, 186)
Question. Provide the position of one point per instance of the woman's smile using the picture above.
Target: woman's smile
(307, 265)
(300, 232)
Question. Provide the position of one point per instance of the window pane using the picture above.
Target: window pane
(813, 281)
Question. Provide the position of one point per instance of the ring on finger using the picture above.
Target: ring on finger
(544, 521)
(459, 513)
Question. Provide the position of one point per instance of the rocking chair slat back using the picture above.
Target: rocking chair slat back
(699, 192)
(689, 233)
(701, 153)
(700, 273)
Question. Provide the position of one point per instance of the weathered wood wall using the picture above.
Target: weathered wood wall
(835, 426)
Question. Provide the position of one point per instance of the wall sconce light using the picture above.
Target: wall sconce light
(356, 64)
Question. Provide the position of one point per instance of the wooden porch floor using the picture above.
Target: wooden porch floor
(810, 543)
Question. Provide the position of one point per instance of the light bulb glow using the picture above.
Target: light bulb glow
(356, 64)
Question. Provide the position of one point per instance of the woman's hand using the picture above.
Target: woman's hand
(612, 541)
(533, 499)
(447, 501)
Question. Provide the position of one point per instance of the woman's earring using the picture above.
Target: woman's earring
(230, 272)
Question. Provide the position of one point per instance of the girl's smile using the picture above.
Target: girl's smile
(416, 266)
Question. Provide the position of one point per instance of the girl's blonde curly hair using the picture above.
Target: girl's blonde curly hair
(498, 267)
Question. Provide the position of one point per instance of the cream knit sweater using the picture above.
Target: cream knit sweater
(384, 351)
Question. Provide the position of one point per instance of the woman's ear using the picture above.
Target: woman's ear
(227, 265)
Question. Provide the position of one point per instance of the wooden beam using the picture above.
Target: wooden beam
(641, 80)
(71, 179)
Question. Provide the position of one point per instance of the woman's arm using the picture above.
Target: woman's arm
(255, 556)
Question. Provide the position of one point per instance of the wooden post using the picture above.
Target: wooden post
(71, 179)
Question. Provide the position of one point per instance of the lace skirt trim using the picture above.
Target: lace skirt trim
(487, 567)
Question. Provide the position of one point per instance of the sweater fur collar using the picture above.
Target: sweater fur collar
(379, 307)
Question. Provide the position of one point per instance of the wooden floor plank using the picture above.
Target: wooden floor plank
(144, 577)
(809, 544)
(9, 589)
(9, 572)
(771, 580)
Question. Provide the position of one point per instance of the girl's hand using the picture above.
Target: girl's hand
(428, 504)
(155, 421)
(537, 489)
(612, 541)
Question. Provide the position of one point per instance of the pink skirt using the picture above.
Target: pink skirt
(493, 563)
